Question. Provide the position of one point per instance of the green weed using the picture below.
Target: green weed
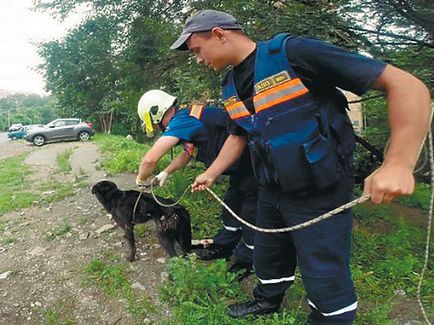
(59, 232)
(83, 221)
(120, 154)
(199, 294)
(140, 230)
(63, 160)
(113, 281)
(419, 199)
(8, 240)
(17, 192)
(61, 313)
(57, 190)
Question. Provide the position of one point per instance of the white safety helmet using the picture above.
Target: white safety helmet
(152, 106)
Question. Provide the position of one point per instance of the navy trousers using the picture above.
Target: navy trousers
(321, 251)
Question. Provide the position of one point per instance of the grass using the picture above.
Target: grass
(18, 191)
(61, 312)
(58, 191)
(8, 240)
(112, 279)
(53, 317)
(420, 198)
(15, 191)
(120, 155)
(64, 229)
(386, 260)
(63, 161)
(200, 293)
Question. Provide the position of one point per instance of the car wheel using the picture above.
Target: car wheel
(84, 135)
(38, 140)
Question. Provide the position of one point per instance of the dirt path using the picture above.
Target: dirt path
(41, 274)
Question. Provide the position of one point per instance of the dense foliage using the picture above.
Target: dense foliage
(26, 109)
(121, 48)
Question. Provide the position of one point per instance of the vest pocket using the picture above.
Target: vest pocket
(323, 163)
(304, 161)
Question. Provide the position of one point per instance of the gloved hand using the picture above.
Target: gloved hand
(161, 178)
(144, 185)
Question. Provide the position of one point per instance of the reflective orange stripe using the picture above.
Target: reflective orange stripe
(234, 106)
(281, 93)
(196, 111)
(237, 110)
(287, 84)
(282, 99)
(238, 115)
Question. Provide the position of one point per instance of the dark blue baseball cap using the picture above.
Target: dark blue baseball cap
(203, 21)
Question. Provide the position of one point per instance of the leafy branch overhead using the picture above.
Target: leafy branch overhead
(121, 48)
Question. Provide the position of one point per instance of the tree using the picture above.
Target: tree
(26, 109)
(121, 49)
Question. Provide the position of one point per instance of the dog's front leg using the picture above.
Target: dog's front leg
(129, 235)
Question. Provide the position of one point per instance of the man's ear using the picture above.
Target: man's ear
(219, 33)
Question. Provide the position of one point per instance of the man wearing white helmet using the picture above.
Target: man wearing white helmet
(202, 130)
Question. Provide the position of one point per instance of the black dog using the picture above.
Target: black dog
(173, 224)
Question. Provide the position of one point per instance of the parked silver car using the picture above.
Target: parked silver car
(60, 129)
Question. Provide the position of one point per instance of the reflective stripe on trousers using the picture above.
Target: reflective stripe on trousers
(321, 251)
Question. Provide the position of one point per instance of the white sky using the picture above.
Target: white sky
(20, 28)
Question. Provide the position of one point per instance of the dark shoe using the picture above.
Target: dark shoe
(216, 253)
(253, 308)
(244, 270)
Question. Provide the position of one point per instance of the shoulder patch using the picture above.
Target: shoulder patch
(272, 81)
(230, 101)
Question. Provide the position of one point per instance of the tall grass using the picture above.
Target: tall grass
(63, 160)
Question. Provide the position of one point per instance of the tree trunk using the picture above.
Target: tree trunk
(106, 121)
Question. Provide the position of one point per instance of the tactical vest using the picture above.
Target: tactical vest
(296, 140)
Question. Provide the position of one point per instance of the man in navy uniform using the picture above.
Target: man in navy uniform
(283, 93)
(202, 130)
